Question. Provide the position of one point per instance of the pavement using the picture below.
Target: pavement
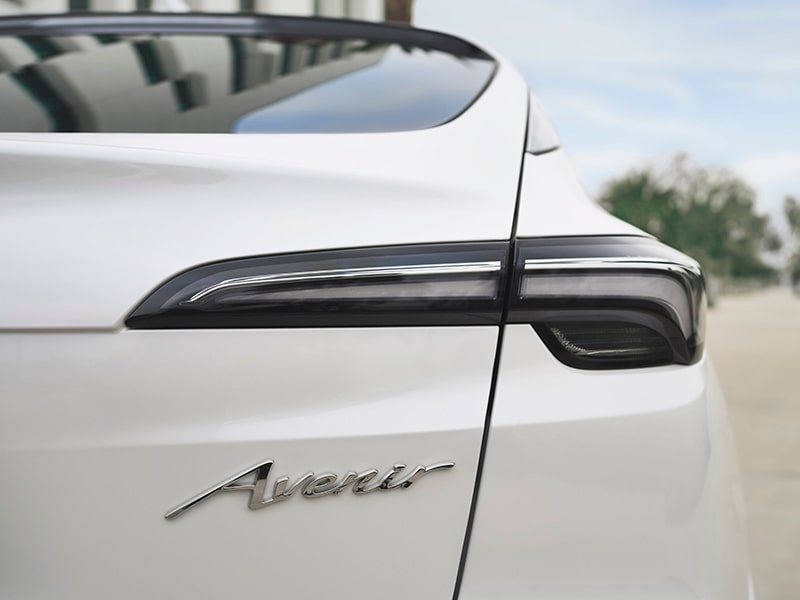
(754, 340)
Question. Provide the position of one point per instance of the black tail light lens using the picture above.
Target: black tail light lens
(441, 284)
(610, 302)
(596, 302)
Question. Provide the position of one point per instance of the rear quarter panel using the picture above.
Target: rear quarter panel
(102, 433)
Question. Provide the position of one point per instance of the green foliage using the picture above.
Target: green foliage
(706, 213)
(791, 210)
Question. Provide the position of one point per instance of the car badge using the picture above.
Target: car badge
(310, 485)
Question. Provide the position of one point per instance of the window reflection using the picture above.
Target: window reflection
(204, 83)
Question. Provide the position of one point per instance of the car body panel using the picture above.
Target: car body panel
(103, 433)
(605, 485)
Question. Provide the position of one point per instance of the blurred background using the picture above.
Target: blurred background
(681, 117)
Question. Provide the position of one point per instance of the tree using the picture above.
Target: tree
(706, 213)
(791, 210)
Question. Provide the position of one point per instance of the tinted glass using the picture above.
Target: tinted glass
(232, 83)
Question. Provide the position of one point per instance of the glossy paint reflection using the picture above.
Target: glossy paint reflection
(237, 83)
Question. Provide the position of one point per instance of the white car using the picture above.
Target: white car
(214, 348)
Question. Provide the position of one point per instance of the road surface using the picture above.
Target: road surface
(755, 344)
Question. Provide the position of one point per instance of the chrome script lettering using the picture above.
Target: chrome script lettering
(309, 485)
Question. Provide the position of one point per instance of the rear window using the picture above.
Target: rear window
(154, 83)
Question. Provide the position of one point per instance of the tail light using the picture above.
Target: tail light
(596, 302)
(610, 302)
(441, 284)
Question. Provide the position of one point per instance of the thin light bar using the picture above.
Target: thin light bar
(363, 273)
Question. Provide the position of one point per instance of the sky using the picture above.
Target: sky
(629, 82)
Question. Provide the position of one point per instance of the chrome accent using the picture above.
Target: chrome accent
(386, 480)
(419, 471)
(310, 485)
(321, 485)
(609, 262)
(467, 268)
(222, 487)
(360, 484)
(280, 492)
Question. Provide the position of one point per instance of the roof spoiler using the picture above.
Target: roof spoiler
(284, 27)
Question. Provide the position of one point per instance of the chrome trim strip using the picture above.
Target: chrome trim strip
(467, 268)
(608, 262)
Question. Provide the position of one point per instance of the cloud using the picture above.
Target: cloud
(666, 36)
(772, 170)
(597, 112)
